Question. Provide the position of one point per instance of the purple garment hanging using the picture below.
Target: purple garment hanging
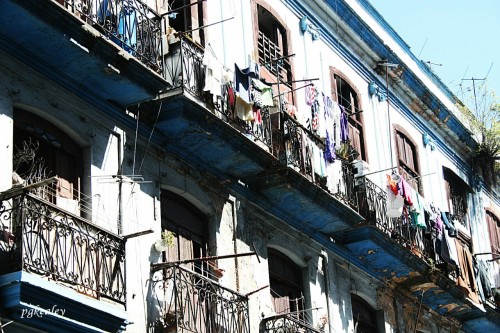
(329, 148)
(344, 125)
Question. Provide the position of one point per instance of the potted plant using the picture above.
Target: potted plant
(166, 241)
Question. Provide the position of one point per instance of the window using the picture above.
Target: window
(272, 44)
(494, 231)
(41, 150)
(348, 98)
(188, 227)
(456, 191)
(365, 318)
(407, 159)
(286, 284)
(188, 15)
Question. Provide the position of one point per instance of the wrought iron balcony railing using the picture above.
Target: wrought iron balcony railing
(131, 24)
(295, 155)
(373, 206)
(191, 302)
(53, 243)
(286, 324)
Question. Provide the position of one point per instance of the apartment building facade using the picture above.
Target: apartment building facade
(234, 166)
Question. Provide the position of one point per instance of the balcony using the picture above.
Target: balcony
(191, 302)
(110, 55)
(394, 250)
(53, 259)
(286, 323)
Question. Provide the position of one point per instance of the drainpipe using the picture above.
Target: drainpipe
(326, 278)
(235, 247)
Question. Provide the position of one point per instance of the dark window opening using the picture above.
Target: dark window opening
(365, 318)
(188, 15)
(348, 99)
(286, 285)
(272, 45)
(408, 160)
(188, 228)
(41, 151)
(456, 191)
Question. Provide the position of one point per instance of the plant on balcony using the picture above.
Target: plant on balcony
(346, 152)
(484, 120)
(166, 241)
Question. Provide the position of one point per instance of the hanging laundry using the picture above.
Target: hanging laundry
(327, 121)
(336, 124)
(406, 192)
(314, 116)
(310, 92)
(213, 72)
(318, 160)
(417, 212)
(395, 203)
(242, 79)
(329, 153)
(452, 232)
(344, 125)
(243, 109)
(394, 182)
(266, 92)
(334, 174)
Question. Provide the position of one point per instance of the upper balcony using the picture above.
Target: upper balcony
(104, 51)
(264, 158)
(58, 272)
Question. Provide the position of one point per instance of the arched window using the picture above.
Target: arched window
(344, 93)
(41, 150)
(365, 318)
(407, 155)
(188, 227)
(272, 44)
(285, 279)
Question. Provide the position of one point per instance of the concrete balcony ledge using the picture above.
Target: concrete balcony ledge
(38, 302)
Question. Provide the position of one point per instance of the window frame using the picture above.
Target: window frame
(296, 286)
(172, 206)
(355, 115)
(358, 302)
(411, 174)
(493, 223)
(286, 38)
(456, 195)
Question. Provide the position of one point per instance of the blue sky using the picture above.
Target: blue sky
(460, 39)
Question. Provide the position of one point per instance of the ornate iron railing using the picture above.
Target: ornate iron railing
(373, 206)
(346, 185)
(286, 324)
(191, 302)
(184, 68)
(129, 23)
(53, 243)
(260, 129)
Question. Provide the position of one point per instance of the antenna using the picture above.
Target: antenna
(432, 64)
(419, 53)
(474, 87)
